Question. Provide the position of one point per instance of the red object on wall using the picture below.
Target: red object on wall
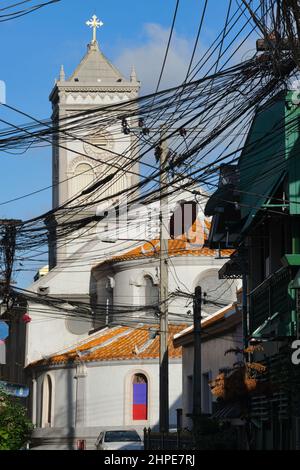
(81, 444)
(140, 412)
(26, 318)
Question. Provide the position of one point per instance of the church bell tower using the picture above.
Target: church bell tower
(88, 152)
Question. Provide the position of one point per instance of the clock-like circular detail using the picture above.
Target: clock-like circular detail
(98, 145)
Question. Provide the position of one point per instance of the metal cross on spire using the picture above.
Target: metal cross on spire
(94, 23)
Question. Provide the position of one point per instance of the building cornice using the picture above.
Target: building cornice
(122, 88)
(112, 362)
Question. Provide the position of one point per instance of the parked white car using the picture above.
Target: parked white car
(119, 440)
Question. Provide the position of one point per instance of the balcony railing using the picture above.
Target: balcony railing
(270, 297)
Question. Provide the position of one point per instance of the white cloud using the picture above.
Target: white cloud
(148, 58)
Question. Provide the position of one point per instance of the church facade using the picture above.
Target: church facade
(102, 370)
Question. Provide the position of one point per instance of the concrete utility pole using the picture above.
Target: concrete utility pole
(197, 375)
(163, 291)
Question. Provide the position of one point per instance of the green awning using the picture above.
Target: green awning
(291, 260)
(262, 163)
(266, 330)
(295, 284)
(270, 187)
(221, 198)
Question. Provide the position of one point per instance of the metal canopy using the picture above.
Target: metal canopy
(235, 268)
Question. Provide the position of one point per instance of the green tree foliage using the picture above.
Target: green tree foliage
(15, 427)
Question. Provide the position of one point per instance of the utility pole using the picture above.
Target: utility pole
(197, 375)
(8, 231)
(163, 290)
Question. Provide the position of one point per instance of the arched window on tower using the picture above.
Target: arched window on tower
(151, 291)
(47, 402)
(83, 177)
(140, 397)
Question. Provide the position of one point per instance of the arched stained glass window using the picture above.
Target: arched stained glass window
(140, 398)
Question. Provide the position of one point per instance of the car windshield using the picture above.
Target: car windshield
(122, 436)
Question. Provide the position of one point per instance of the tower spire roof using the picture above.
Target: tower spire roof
(95, 70)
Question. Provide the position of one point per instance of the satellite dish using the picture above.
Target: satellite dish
(216, 290)
(78, 326)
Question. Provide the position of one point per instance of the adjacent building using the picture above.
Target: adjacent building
(220, 333)
(256, 211)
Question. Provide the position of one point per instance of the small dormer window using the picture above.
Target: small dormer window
(76, 79)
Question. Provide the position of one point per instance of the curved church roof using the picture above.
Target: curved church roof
(117, 343)
(192, 244)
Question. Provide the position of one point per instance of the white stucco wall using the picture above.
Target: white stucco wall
(108, 394)
(190, 272)
(212, 360)
(47, 333)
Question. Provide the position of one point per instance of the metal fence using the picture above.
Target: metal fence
(167, 441)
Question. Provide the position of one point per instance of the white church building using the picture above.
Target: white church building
(99, 370)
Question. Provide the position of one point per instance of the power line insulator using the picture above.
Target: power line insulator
(141, 122)
(145, 131)
(171, 155)
(182, 132)
(126, 128)
(158, 152)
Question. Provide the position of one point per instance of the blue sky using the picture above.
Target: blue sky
(33, 48)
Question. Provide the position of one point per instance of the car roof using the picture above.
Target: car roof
(119, 430)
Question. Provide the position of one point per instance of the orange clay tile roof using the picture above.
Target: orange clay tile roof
(117, 343)
(185, 245)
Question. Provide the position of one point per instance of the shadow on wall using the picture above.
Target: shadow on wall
(103, 289)
(70, 400)
(172, 415)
